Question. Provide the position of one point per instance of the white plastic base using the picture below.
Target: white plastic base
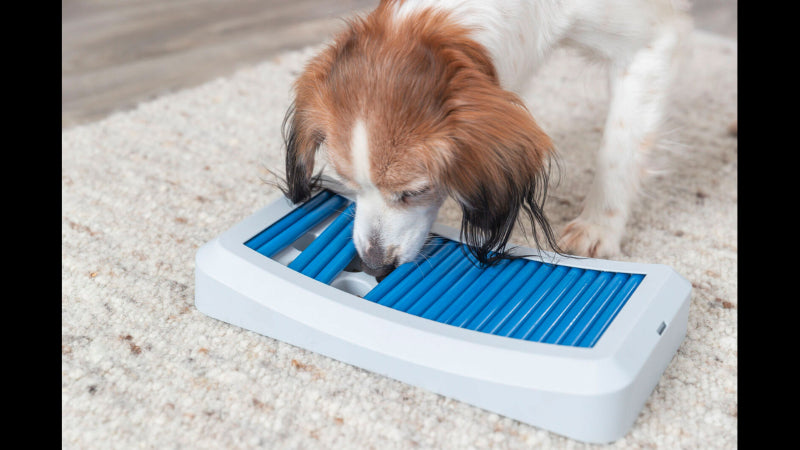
(589, 394)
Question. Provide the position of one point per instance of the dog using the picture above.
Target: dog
(419, 100)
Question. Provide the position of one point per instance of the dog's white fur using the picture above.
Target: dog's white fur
(637, 38)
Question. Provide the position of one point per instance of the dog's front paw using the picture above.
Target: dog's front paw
(584, 238)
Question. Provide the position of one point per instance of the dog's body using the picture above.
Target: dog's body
(419, 100)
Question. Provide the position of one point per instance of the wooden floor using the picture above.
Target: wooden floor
(115, 54)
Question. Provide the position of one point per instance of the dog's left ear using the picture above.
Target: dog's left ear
(496, 164)
(302, 140)
(305, 122)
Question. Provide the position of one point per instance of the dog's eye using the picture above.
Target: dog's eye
(408, 195)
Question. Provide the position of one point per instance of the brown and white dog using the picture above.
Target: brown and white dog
(419, 100)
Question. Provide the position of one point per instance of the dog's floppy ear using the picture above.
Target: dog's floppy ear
(497, 164)
(317, 103)
(302, 140)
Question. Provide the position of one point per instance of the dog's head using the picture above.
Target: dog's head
(409, 113)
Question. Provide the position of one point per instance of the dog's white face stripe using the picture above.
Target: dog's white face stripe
(399, 231)
(359, 148)
(370, 204)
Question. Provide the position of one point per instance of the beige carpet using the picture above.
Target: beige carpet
(142, 190)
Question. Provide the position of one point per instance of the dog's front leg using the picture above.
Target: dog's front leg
(639, 86)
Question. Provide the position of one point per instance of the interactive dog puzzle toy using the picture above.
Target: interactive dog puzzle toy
(571, 345)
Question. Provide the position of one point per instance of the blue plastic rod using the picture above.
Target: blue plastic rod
(488, 318)
(538, 311)
(562, 308)
(484, 289)
(441, 293)
(340, 260)
(323, 240)
(301, 226)
(287, 220)
(611, 310)
(428, 281)
(508, 319)
(434, 246)
(329, 252)
(458, 297)
(417, 275)
(588, 317)
(576, 311)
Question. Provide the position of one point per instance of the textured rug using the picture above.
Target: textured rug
(142, 190)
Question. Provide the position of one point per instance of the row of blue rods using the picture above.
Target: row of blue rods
(518, 298)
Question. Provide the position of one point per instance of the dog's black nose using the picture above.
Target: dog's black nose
(358, 265)
(379, 273)
(377, 261)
